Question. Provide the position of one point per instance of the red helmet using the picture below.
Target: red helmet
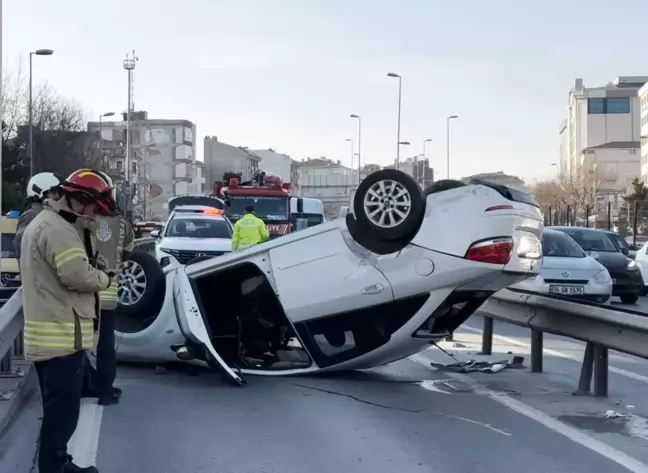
(94, 185)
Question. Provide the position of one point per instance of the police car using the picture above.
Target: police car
(196, 229)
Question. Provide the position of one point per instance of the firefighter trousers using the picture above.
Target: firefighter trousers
(100, 380)
(61, 382)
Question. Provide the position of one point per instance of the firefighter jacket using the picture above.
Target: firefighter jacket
(59, 285)
(249, 231)
(25, 217)
(111, 237)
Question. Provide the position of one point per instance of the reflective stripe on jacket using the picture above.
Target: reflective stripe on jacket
(112, 236)
(59, 285)
(249, 231)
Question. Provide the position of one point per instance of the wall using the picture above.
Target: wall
(331, 184)
(616, 167)
(643, 123)
(220, 158)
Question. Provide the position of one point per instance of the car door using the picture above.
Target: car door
(641, 258)
(319, 276)
(193, 326)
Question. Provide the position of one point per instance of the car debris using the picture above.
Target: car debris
(472, 366)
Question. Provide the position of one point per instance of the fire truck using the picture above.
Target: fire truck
(266, 192)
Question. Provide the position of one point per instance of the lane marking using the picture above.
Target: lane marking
(572, 433)
(559, 354)
(84, 443)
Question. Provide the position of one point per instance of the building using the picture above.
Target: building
(220, 158)
(607, 116)
(501, 178)
(198, 183)
(282, 165)
(643, 135)
(329, 181)
(162, 159)
(419, 169)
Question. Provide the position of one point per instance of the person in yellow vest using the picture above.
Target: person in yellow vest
(113, 238)
(59, 286)
(250, 230)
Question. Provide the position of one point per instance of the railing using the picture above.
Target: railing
(601, 327)
(11, 318)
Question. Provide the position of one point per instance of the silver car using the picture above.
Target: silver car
(568, 271)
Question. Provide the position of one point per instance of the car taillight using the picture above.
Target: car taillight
(494, 251)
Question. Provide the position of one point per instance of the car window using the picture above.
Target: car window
(560, 245)
(198, 228)
(8, 249)
(592, 240)
(620, 241)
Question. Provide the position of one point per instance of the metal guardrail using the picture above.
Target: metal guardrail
(11, 318)
(601, 327)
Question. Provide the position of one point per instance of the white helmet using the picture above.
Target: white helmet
(41, 183)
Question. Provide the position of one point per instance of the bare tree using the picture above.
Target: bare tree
(583, 188)
(550, 192)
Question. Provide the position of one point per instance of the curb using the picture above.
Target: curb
(24, 387)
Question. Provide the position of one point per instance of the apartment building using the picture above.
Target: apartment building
(643, 137)
(163, 163)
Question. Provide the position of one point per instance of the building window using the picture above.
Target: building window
(618, 105)
(595, 106)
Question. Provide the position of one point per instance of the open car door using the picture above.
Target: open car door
(193, 326)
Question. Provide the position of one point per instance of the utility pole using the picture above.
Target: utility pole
(129, 65)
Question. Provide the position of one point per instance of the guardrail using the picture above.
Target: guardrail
(601, 327)
(11, 318)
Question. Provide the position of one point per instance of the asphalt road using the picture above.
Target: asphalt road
(404, 417)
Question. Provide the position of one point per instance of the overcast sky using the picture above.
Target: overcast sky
(286, 74)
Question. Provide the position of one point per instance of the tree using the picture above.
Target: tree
(549, 192)
(583, 188)
(60, 143)
(639, 191)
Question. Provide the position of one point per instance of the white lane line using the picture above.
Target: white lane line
(559, 354)
(572, 433)
(85, 441)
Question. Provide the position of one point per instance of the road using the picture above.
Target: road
(405, 417)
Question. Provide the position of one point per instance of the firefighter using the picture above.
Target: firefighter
(249, 231)
(40, 187)
(113, 238)
(59, 307)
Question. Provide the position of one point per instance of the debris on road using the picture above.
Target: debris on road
(472, 366)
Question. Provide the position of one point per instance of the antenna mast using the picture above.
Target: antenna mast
(129, 65)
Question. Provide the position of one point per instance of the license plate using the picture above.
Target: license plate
(567, 290)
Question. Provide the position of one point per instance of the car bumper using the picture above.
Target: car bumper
(627, 283)
(592, 292)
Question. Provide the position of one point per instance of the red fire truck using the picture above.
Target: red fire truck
(267, 193)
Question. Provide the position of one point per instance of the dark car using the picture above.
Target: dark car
(625, 273)
(624, 247)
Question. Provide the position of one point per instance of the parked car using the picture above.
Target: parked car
(641, 257)
(353, 293)
(568, 271)
(624, 247)
(626, 276)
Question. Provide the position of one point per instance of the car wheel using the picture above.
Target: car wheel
(389, 205)
(373, 244)
(630, 298)
(141, 286)
(644, 291)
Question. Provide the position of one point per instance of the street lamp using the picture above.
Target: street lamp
(451, 117)
(416, 166)
(400, 90)
(352, 154)
(359, 118)
(38, 52)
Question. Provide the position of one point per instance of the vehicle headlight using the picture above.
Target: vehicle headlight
(632, 265)
(602, 277)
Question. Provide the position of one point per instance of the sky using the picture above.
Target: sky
(286, 74)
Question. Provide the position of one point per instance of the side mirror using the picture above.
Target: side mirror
(300, 205)
(625, 251)
(155, 234)
(594, 255)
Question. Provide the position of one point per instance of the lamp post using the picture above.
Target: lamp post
(451, 117)
(359, 118)
(416, 174)
(38, 52)
(400, 90)
(352, 153)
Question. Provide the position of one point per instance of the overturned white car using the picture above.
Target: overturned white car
(402, 270)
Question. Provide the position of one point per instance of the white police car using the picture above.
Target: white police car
(196, 229)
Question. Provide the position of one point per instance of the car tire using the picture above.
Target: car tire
(629, 298)
(376, 198)
(141, 268)
(373, 244)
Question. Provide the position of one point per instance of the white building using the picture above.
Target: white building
(162, 159)
(280, 164)
(220, 158)
(602, 118)
(327, 180)
(643, 120)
